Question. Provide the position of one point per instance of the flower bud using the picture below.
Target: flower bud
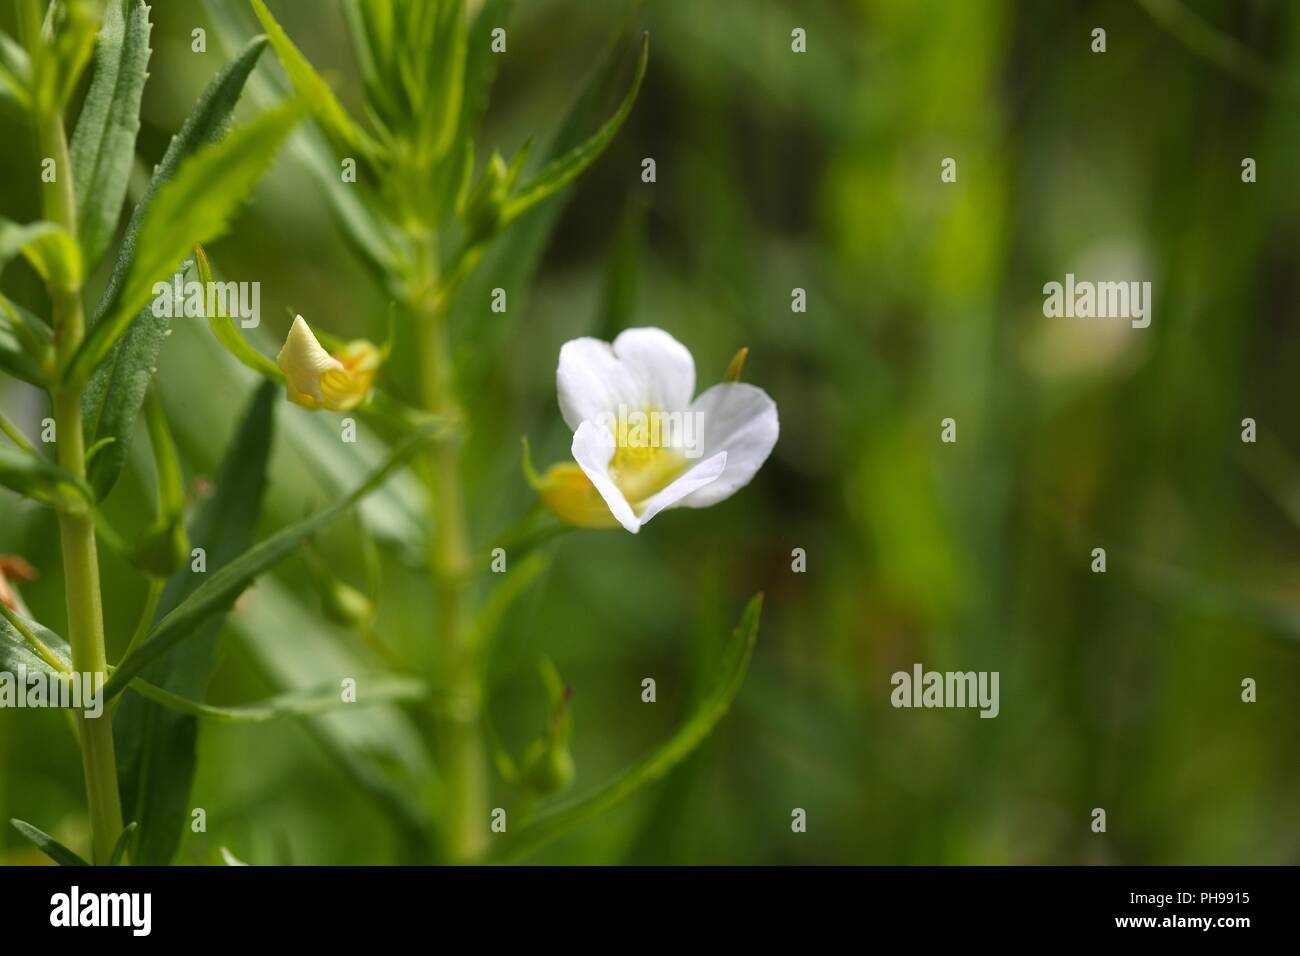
(164, 549)
(568, 492)
(316, 379)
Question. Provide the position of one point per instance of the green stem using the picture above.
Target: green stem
(464, 755)
(86, 635)
(77, 529)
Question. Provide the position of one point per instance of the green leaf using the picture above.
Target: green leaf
(515, 256)
(15, 75)
(711, 709)
(51, 847)
(220, 590)
(38, 650)
(370, 23)
(26, 343)
(112, 398)
(115, 392)
(103, 144)
(194, 207)
(378, 243)
(41, 479)
(50, 249)
(560, 172)
(439, 118)
(123, 841)
(224, 329)
(312, 86)
(156, 746)
(371, 689)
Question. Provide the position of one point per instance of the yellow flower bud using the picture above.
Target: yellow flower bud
(316, 379)
(567, 491)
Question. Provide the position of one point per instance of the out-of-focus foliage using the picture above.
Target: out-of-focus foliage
(817, 171)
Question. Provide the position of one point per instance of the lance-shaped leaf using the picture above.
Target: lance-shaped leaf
(378, 243)
(312, 87)
(439, 117)
(115, 392)
(219, 591)
(48, 247)
(41, 479)
(194, 207)
(103, 144)
(34, 648)
(120, 847)
(224, 329)
(372, 689)
(157, 746)
(516, 255)
(712, 708)
(558, 173)
(26, 344)
(51, 847)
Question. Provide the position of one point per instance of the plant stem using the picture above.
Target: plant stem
(86, 635)
(77, 529)
(464, 756)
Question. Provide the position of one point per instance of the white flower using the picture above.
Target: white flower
(615, 398)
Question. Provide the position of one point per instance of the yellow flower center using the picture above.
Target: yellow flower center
(640, 467)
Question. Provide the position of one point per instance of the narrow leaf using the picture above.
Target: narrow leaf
(712, 708)
(123, 841)
(115, 392)
(312, 86)
(51, 847)
(371, 690)
(103, 144)
(50, 249)
(440, 119)
(24, 344)
(219, 591)
(41, 479)
(224, 329)
(39, 650)
(562, 171)
(194, 207)
(156, 746)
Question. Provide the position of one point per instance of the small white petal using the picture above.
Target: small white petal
(645, 369)
(741, 420)
(593, 447)
(701, 475)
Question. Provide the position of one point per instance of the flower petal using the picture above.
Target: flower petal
(741, 420)
(304, 361)
(593, 447)
(705, 473)
(662, 367)
(645, 369)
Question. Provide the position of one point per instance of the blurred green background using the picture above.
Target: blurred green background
(819, 171)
